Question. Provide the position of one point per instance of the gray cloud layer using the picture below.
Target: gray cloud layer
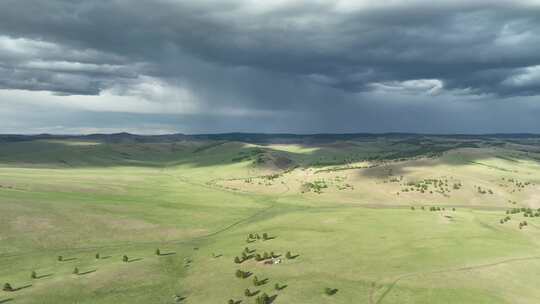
(288, 66)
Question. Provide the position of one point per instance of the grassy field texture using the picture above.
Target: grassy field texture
(356, 215)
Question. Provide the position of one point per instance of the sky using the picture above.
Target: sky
(287, 66)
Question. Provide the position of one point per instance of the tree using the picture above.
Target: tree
(97, 256)
(263, 299)
(330, 291)
(412, 208)
(288, 255)
(256, 281)
(231, 301)
(60, 258)
(7, 287)
(75, 270)
(125, 259)
(158, 252)
(265, 236)
(237, 260)
(33, 275)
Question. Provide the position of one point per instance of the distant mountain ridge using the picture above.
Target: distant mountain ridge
(256, 137)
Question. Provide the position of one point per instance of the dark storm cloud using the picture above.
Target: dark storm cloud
(293, 58)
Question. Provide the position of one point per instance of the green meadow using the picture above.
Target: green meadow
(367, 221)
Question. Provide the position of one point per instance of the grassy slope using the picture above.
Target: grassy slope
(76, 200)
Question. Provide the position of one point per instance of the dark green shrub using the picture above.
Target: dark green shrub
(33, 275)
(60, 258)
(97, 256)
(263, 299)
(330, 291)
(125, 259)
(7, 287)
(75, 270)
(288, 255)
(158, 252)
(237, 260)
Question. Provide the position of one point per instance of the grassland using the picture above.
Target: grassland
(352, 211)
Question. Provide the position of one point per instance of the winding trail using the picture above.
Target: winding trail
(398, 278)
(228, 227)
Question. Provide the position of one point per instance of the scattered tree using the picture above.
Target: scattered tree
(60, 258)
(7, 287)
(330, 291)
(33, 275)
(263, 299)
(125, 259)
(97, 256)
(242, 274)
(158, 252)
(75, 270)
(257, 282)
